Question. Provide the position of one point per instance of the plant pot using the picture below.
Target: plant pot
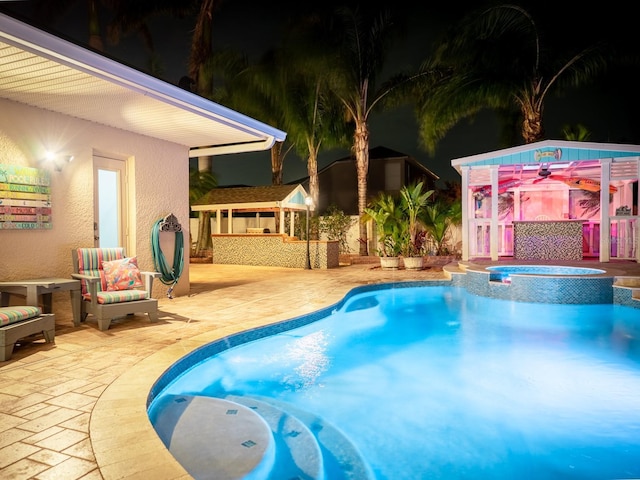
(389, 263)
(413, 263)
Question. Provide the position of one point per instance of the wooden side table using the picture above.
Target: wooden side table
(34, 288)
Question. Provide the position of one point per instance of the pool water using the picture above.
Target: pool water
(435, 383)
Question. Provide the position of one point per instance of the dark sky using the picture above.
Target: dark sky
(608, 109)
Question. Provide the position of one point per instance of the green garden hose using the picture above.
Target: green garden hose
(169, 276)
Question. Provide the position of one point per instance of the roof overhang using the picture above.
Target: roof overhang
(268, 198)
(548, 151)
(45, 71)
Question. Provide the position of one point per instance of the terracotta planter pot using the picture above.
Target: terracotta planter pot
(390, 263)
(413, 263)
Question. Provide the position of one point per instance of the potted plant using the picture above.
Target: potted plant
(384, 211)
(413, 200)
(413, 256)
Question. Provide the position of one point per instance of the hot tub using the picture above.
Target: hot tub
(542, 283)
(503, 273)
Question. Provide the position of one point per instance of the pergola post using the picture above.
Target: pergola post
(292, 220)
(464, 171)
(637, 224)
(605, 220)
(494, 234)
(282, 223)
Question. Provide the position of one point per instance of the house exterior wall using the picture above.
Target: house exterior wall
(339, 182)
(158, 184)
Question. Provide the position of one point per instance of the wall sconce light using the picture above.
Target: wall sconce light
(57, 161)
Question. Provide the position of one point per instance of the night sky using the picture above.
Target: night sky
(608, 108)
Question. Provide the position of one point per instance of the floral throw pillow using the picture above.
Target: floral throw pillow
(122, 274)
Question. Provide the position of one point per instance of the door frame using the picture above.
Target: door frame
(102, 162)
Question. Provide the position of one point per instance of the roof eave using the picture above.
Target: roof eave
(41, 43)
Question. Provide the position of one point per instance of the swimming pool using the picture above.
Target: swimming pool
(432, 382)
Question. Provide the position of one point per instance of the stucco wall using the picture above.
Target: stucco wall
(158, 179)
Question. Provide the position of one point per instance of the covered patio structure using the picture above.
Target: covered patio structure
(255, 230)
(551, 200)
(276, 201)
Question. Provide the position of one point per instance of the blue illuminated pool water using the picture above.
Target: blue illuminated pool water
(432, 382)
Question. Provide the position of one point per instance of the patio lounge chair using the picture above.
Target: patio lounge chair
(18, 322)
(112, 285)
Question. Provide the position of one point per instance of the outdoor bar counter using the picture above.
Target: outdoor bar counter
(547, 239)
(273, 249)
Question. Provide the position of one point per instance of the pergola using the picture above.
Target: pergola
(551, 181)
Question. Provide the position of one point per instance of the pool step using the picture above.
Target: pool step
(341, 459)
(215, 438)
(298, 454)
(631, 283)
(241, 437)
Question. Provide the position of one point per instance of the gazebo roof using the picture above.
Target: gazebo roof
(549, 151)
(575, 159)
(253, 199)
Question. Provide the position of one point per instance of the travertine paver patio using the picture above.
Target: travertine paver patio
(76, 409)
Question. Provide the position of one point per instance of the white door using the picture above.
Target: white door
(109, 202)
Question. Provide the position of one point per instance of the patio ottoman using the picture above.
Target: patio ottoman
(21, 321)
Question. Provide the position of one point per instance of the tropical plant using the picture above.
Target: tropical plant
(589, 203)
(413, 199)
(438, 218)
(483, 79)
(335, 224)
(200, 183)
(576, 133)
(385, 212)
(506, 205)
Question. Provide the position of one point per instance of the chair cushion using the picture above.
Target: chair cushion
(90, 263)
(122, 274)
(9, 315)
(119, 296)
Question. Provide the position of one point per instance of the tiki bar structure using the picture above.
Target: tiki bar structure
(551, 200)
(256, 226)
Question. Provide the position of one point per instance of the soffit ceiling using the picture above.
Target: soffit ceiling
(44, 71)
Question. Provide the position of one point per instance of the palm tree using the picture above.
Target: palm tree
(200, 183)
(361, 42)
(500, 64)
(311, 114)
(255, 89)
(46, 10)
(576, 133)
(361, 45)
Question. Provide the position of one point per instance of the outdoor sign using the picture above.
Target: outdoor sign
(25, 198)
